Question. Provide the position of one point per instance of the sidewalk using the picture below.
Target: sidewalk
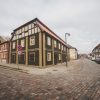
(35, 70)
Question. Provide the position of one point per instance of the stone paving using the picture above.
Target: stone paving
(79, 81)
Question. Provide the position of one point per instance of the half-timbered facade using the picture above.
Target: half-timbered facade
(96, 52)
(4, 51)
(40, 45)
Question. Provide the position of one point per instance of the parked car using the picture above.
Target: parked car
(93, 58)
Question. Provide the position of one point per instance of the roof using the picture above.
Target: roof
(70, 47)
(6, 38)
(98, 46)
(43, 27)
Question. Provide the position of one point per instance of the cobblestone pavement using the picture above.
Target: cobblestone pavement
(79, 81)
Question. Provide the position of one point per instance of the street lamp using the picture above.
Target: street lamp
(66, 34)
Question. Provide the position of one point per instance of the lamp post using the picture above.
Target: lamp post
(66, 34)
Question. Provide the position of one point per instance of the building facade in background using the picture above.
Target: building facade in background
(40, 45)
(4, 49)
(96, 52)
(72, 53)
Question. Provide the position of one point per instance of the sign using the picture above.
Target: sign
(19, 52)
(19, 47)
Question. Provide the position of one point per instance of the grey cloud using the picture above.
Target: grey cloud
(79, 17)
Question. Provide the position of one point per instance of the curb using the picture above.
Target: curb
(15, 69)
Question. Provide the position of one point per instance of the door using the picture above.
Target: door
(55, 58)
(31, 59)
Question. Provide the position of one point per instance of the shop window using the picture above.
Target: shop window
(22, 43)
(48, 41)
(32, 40)
(48, 56)
(13, 45)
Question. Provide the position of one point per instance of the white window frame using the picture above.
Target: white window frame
(55, 43)
(13, 45)
(35, 29)
(23, 34)
(48, 56)
(29, 32)
(26, 28)
(32, 30)
(48, 41)
(26, 33)
(23, 42)
(29, 26)
(32, 40)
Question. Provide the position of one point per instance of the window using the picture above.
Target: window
(22, 43)
(13, 45)
(29, 32)
(32, 25)
(26, 28)
(17, 36)
(59, 56)
(59, 45)
(26, 34)
(38, 29)
(20, 31)
(62, 47)
(48, 41)
(29, 26)
(49, 56)
(22, 34)
(55, 43)
(23, 29)
(33, 31)
(32, 40)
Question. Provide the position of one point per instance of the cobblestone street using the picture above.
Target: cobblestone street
(79, 81)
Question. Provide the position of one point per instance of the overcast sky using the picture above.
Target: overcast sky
(80, 18)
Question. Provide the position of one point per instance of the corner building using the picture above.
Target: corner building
(40, 45)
